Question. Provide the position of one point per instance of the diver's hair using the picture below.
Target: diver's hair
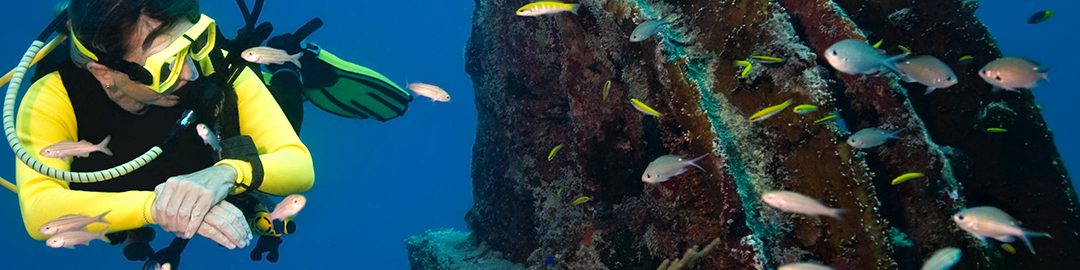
(105, 25)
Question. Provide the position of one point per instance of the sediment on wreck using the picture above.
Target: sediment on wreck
(539, 84)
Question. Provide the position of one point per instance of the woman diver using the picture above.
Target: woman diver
(136, 67)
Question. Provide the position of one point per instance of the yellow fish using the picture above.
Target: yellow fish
(907, 176)
(559, 192)
(827, 118)
(607, 86)
(1008, 248)
(746, 71)
(996, 130)
(767, 59)
(644, 108)
(546, 7)
(769, 112)
(804, 109)
(964, 60)
(878, 44)
(581, 200)
(904, 48)
(742, 63)
(551, 155)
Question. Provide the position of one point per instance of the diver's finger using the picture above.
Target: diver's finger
(159, 206)
(221, 221)
(172, 208)
(189, 218)
(243, 232)
(183, 214)
(209, 231)
(242, 223)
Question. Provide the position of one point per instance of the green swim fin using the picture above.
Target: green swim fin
(358, 92)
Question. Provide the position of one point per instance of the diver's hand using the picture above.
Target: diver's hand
(183, 201)
(225, 225)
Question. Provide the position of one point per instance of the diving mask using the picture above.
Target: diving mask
(162, 70)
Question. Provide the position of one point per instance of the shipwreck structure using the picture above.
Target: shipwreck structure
(540, 82)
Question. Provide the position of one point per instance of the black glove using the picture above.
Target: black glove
(315, 73)
(266, 244)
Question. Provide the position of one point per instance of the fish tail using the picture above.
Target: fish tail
(837, 213)
(104, 145)
(101, 217)
(295, 59)
(574, 8)
(102, 237)
(890, 62)
(693, 162)
(1029, 234)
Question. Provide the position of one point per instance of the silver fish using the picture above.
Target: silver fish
(792, 202)
(989, 222)
(645, 30)
(943, 259)
(267, 55)
(1012, 73)
(208, 137)
(857, 57)
(665, 167)
(871, 137)
(435, 93)
(803, 266)
(288, 207)
(76, 149)
(74, 238)
(70, 223)
(927, 70)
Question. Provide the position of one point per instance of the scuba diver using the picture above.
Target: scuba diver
(142, 74)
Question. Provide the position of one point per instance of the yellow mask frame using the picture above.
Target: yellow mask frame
(162, 69)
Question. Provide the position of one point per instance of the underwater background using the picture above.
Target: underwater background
(378, 183)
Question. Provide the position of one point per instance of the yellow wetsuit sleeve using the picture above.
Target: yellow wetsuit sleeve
(46, 117)
(287, 166)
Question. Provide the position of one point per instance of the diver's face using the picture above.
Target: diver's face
(135, 97)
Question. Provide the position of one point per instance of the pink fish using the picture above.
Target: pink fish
(71, 223)
(288, 207)
(435, 93)
(81, 148)
(74, 238)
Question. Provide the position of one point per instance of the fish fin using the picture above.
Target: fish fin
(101, 235)
(908, 79)
(1028, 234)
(104, 146)
(929, 89)
(574, 8)
(69, 247)
(890, 62)
(995, 89)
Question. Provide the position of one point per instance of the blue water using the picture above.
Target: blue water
(378, 183)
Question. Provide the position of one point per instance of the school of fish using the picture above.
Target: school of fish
(855, 57)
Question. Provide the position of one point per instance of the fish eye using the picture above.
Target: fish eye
(950, 78)
(998, 77)
(961, 217)
(834, 52)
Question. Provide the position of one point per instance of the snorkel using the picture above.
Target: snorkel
(38, 49)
